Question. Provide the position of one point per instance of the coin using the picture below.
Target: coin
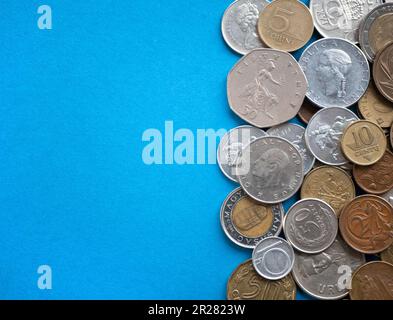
(239, 25)
(246, 222)
(246, 284)
(366, 224)
(373, 281)
(391, 136)
(307, 110)
(285, 25)
(273, 170)
(363, 142)
(330, 184)
(273, 258)
(324, 131)
(376, 30)
(294, 134)
(377, 178)
(266, 87)
(231, 145)
(310, 225)
(318, 274)
(387, 255)
(383, 70)
(337, 72)
(340, 19)
(388, 196)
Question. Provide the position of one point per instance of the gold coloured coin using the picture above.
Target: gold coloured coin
(383, 71)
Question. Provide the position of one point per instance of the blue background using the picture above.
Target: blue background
(74, 192)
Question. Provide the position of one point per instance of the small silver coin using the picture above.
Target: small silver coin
(337, 72)
(272, 170)
(241, 216)
(310, 225)
(273, 258)
(295, 134)
(323, 134)
(388, 196)
(231, 145)
(327, 275)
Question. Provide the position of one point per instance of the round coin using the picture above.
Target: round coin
(391, 136)
(307, 110)
(383, 70)
(387, 255)
(388, 196)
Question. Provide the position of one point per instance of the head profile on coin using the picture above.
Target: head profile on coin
(246, 16)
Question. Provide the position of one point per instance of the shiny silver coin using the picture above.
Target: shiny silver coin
(310, 225)
(388, 196)
(273, 258)
(295, 134)
(231, 145)
(272, 170)
(327, 275)
(337, 72)
(246, 222)
(323, 134)
(239, 25)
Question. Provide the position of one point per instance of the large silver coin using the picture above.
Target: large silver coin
(239, 25)
(272, 169)
(323, 134)
(295, 134)
(246, 222)
(231, 145)
(310, 225)
(327, 275)
(388, 196)
(273, 258)
(337, 72)
(266, 87)
(340, 19)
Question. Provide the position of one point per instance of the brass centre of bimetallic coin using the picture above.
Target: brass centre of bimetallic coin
(383, 71)
(307, 110)
(380, 33)
(387, 255)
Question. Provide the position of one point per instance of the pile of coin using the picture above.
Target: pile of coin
(321, 244)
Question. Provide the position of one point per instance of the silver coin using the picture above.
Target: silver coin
(295, 134)
(388, 196)
(239, 25)
(272, 170)
(266, 87)
(323, 134)
(321, 275)
(273, 258)
(340, 19)
(231, 145)
(310, 225)
(337, 72)
(246, 222)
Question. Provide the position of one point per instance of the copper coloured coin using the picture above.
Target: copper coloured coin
(307, 110)
(383, 71)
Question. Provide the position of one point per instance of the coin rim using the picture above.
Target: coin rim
(376, 62)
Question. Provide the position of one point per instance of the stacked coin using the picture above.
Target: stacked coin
(328, 234)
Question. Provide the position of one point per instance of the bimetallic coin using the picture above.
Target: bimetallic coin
(266, 87)
(239, 25)
(383, 70)
(246, 222)
(388, 196)
(366, 224)
(310, 225)
(231, 145)
(373, 281)
(307, 110)
(323, 134)
(273, 258)
(337, 72)
(295, 135)
(272, 170)
(387, 255)
(246, 284)
(318, 274)
(363, 142)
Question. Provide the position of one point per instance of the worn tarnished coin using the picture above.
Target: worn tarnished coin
(239, 25)
(387, 255)
(246, 284)
(388, 196)
(266, 87)
(373, 281)
(383, 71)
(294, 134)
(363, 142)
(307, 110)
(273, 258)
(231, 145)
(337, 72)
(323, 134)
(246, 222)
(318, 274)
(340, 19)
(285, 25)
(310, 225)
(330, 184)
(272, 169)
(377, 178)
(366, 224)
